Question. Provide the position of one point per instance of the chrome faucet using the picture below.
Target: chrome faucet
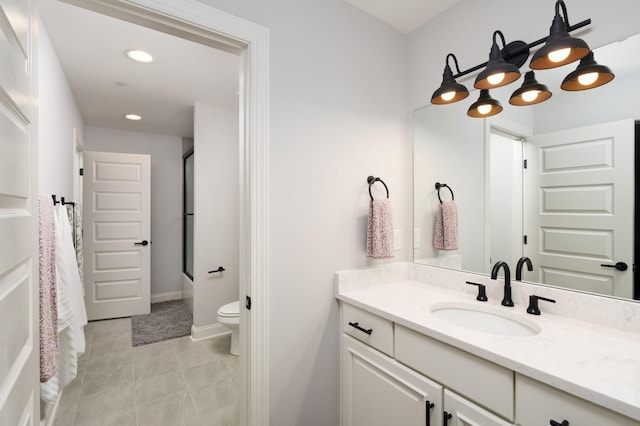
(519, 266)
(506, 300)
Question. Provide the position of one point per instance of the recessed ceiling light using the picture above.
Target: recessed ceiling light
(133, 117)
(140, 56)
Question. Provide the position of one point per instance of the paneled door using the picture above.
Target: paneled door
(580, 221)
(19, 358)
(117, 232)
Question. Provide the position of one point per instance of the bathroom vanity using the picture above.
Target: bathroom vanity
(416, 349)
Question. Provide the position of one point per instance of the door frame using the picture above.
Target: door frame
(204, 24)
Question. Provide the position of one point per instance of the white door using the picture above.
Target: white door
(581, 214)
(19, 358)
(117, 234)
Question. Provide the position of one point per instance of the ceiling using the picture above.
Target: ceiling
(106, 84)
(404, 15)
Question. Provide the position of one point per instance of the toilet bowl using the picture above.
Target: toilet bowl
(229, 316)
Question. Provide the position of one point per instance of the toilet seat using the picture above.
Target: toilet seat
(230, 310)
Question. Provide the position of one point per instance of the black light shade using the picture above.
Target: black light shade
(498, 72)
(588, 75)
(449, 91)
(485, 106)
(531, 92)
(560, 48)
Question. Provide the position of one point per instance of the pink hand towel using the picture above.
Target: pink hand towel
(49, 348)
(445, 234)
(380, 229)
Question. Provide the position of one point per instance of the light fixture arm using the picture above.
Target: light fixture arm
(455, 60)
(560, 4)
(498, 32)
(509, 55)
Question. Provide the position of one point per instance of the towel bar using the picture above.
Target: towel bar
(444, 185)
(371, 180)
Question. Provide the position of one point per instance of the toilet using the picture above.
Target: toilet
(229, 316)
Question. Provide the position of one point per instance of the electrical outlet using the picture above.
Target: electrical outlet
(397, 239)
(416, 238)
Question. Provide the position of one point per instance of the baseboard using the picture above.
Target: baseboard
(163, 297)
(208, 331)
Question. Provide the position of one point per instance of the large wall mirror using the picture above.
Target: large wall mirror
(572, 210)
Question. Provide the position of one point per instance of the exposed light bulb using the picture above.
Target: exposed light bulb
(484, 109)
(588, 78)
(530, 95)
(495, 78)
(133, 117)
(447, 96)
(559, 55)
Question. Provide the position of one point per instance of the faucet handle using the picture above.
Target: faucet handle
(482, 291)
(533, 304)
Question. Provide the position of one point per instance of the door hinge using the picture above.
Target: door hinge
(524, 163)
(524, 239)
(81, 172)
(248, 303)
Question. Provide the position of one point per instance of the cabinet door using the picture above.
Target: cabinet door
(378, 391)
(461, 412)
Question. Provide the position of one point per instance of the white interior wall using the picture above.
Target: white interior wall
(216, 211)
(166, 200)
(337, 115)
(58, 117)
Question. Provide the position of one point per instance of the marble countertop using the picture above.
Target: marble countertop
(598, 363)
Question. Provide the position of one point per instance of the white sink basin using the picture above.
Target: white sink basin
(486, 319)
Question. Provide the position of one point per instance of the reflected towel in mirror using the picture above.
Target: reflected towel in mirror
(445, 233)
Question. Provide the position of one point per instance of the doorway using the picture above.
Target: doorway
(197, 22)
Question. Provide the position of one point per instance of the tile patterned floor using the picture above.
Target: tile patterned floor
(174, 383)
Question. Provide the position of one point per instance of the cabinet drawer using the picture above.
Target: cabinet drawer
(479, 380)
(538, 403)
(381, 336)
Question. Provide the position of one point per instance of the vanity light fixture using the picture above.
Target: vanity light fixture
(498, 71)
(503, 68)
(133, 117)
(485, 106)
(588, 75)
(450, 90)
(531, 92)
(560, 48)
(139, 56)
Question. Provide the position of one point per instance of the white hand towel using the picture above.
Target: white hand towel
(445, 234)
(380, 229)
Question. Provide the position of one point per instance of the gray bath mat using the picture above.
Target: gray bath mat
(166, 321)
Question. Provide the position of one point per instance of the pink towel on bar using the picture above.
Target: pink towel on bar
(49, 348)
(445, 234)
(380, 229)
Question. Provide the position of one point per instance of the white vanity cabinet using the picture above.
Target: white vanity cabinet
(538, 404)
(377, 390)
(389, 372)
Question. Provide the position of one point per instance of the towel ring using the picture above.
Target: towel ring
(371, 180)
(444, 185)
